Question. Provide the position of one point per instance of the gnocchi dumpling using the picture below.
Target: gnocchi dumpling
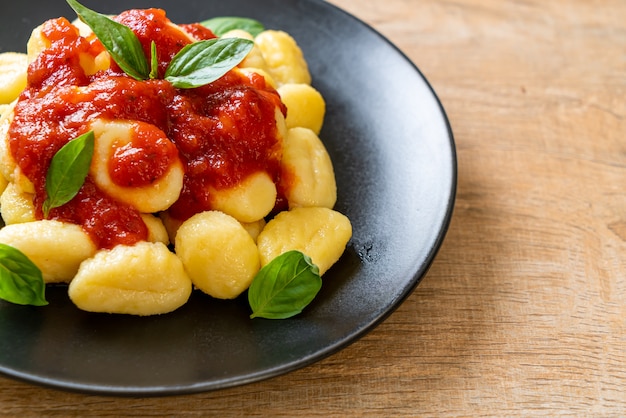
(57, 248)
(248, 201)
(156, 229)
(307, 170)
(125, 138)
(13, 68)
(218, 253)
(17, 207)
(305, 106)
(36, 43)
(320, 233)
(143, 279)
(283, 57)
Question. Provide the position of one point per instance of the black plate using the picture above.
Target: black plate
(395, 164)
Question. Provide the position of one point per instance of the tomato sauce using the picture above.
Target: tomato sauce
(144, 159)
(222, 132)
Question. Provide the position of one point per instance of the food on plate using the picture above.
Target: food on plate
(141, 159)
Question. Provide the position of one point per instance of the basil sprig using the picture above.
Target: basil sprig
(284, 287)
(67, 172)
(195, 65)
(203, 62)
(220, 25)
(21, 281)
(120, 42)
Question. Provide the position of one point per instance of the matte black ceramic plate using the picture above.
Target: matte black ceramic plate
(394, 158)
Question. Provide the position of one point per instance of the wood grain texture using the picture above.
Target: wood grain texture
(524, 311)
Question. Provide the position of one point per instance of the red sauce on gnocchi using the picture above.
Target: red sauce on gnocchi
(222, 132)
(143, 160)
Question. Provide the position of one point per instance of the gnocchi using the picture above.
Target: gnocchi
(284, 58)
(156, 229)
(306, 106)
(250, 200)
(17, 207)
(218, 254)
(186, 188)
(121, 137)
(12, 75)
(117, 281)
(57, 248)
(308, 170)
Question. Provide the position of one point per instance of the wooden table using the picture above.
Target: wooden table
(524, 309)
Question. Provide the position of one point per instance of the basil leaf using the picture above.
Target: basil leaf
(120, 42)
(21, 281)
(284, 287)
(221, 25)
(154, 61)
(203, 62)
(68, 170)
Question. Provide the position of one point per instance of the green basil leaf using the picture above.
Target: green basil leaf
(67, 172)
(203, 62)
(120, 42)
(21, 281)
(221, 25)
(284, 287)
(154, 61)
